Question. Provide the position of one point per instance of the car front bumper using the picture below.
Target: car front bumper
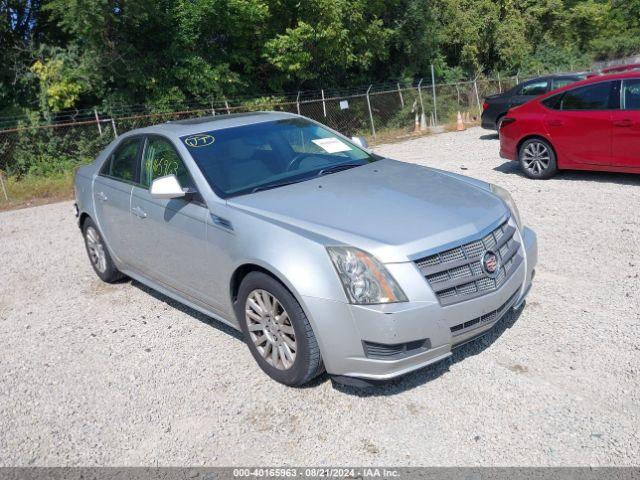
(380, 342)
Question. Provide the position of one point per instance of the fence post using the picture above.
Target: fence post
(113, 125)
(433, 87)
(324, 105)
(298, 102)
(4, 188)
(373, 127)
(95, 112)
(420, 96)
(475, 87)
(400, 94)
(499, 83)
(517, 77)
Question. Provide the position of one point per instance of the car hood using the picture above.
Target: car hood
(393, 209)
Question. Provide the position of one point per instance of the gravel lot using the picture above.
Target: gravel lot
(96, 374)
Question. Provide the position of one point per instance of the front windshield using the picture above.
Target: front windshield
(249, 158)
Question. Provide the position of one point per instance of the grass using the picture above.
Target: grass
(35, 190)
(395, 135)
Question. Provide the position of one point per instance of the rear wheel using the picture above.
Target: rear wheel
(101, 261)
(537, 159)
(277, 331)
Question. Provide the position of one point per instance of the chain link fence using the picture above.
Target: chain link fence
(380, 113)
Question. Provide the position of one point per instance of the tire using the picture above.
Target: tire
(98, 253)
(281, 327)
(537, 159)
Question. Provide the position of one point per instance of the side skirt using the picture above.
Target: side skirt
(182, 298)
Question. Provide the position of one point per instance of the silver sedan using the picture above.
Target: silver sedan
(325, 255)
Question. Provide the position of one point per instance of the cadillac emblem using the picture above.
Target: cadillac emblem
(490, 263)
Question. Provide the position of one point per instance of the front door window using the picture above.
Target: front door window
(161, 159)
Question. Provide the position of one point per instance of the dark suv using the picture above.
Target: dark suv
(496, 106)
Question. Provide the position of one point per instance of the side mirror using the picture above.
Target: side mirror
(360, 141)
(166, 187)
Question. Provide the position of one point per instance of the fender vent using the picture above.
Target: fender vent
(383, 351)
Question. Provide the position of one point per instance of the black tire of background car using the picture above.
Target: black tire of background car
(308, 363)
(111, 273)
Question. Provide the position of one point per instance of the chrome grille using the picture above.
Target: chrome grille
(456, 274)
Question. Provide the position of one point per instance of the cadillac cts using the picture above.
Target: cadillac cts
(324, 255)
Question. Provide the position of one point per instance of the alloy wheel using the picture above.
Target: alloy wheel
(96, 250)
(270, 329)
(536, 158)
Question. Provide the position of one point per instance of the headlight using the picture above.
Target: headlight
(506, 197)
(364, 279)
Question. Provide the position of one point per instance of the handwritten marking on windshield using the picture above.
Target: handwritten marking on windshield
(199, 140)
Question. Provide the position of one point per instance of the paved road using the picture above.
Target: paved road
(96, 374)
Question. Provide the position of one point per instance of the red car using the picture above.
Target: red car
(589, 125)
(621, 68)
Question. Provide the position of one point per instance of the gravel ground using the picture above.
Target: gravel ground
(97, 374)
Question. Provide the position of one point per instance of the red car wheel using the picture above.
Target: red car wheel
(537, 159)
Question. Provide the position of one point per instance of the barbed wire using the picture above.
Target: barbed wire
(381, 112)
(216, 105)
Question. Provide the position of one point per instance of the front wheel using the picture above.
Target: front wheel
(537, 159)
(277, 331)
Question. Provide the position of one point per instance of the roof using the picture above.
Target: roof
(207, 124)
(621, 68)
(589, 81)
(557, 75)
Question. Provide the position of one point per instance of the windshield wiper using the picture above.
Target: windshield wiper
(269, 186)
(324, 171)
(337, 168)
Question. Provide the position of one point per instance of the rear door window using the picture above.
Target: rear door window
(553, 102)
(591, 97)
(122, 165)
(561, 82)
(534, 88)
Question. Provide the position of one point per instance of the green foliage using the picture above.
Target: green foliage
(72, 54)
(43, 151)
(62, 54)
(331, 38)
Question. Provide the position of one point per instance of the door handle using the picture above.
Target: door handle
(138, 212)
(102, 196)
(623, 123)
(555, 123)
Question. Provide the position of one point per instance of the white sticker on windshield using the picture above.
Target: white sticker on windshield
(332, 145)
